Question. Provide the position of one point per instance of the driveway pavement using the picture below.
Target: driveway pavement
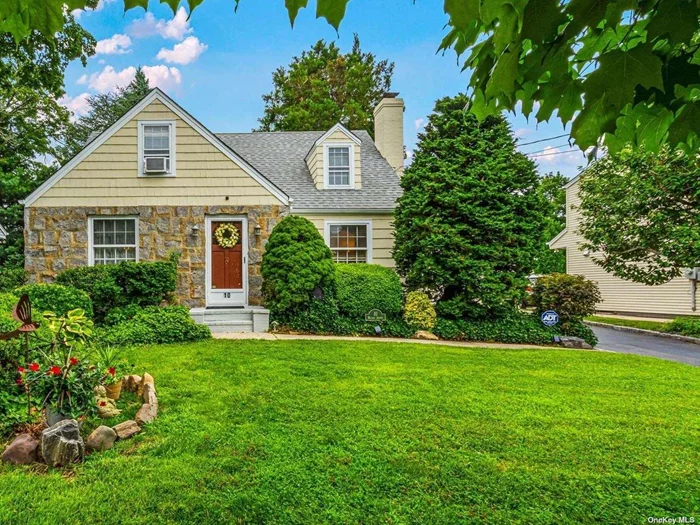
(649, 345)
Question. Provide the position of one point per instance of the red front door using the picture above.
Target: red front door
(227, 263)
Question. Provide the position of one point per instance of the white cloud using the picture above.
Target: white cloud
(419, 123)
(76, 105)
(82, 80)
(163, 77)
(522, 132)
(174, 29)
(116, 45)
(109, 79)
(183, 53)
(552, 155)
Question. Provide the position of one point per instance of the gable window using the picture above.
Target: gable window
(156, 148)
(350, 242)
(113, 240)
(339, 172)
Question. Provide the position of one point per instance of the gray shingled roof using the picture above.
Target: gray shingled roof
(280, 156)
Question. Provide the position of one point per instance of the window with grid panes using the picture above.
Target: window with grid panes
(348, 242)
(339, 166)
(113, 240)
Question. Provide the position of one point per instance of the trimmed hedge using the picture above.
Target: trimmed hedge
(572, 296)
(112, 286)
(55, 298)
(153, 325)
(363, 287)
(687, 326)
(517, 328)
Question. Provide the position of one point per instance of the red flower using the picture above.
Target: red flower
(34, 367)
(103, 403)
(19, 381)
(55, 370)
(112, 371)
(73, 361)
(20, 370)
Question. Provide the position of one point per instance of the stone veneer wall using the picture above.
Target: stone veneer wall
(57, 239)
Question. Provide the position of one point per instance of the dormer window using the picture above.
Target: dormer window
(339, 166)
(156, 148)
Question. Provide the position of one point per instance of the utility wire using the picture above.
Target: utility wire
(545, 149)
(555, 153)
(543, 140)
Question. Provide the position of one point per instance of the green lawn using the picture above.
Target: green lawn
(657, 326)
(363, 432)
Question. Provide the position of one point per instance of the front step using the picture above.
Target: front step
(225, 320)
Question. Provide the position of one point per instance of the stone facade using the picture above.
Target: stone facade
(56, 239)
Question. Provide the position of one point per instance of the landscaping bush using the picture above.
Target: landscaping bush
(99, 283)
(363, 287)
(572, 296)
(153, 325)
(516, 328)
(688, 326)
(419, 312)
(55, 298)
(11, 278)
(296, 262)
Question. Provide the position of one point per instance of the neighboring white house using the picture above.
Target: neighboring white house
(3, 234)
(671, 299)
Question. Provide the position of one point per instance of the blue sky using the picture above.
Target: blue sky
(218, 64)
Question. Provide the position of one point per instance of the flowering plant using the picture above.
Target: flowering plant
(111, 364)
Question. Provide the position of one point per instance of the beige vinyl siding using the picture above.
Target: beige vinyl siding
(315, 160)
(382, 232)
(669, 299)
(204, 176)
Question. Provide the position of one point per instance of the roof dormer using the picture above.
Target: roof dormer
(334, 160)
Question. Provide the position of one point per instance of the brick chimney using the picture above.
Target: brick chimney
(388, 130)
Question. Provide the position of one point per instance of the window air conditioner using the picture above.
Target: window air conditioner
(157, 164)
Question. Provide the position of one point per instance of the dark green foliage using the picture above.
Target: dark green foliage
(573, 297)
(516, 328)
(11, 278)
(639, 214)
(55, 298)
(689, 326)
(99, 283)
(111, 286)
(296, 262)
(324, 318)
(122, 313)
(551, 189)
(363, 287)
(32, 121)
(469, 223)
(324, 87)
(13, 404)
(152, 325)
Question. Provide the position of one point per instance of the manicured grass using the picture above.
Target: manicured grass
(657, 326)
(363, 432)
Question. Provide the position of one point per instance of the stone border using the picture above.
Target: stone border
(666, 335)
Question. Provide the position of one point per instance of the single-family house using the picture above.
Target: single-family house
(674, 298)
(159, 181)
(3, 234)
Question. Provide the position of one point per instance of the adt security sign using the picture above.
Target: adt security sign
(550, 318)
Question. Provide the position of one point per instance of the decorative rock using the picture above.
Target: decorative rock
(100, 391)
(149, 395)
(423, 334)
(22, 451)
(146, 380)
(574, 342)
(146, 414)
(106, 407)
(126, 429)
(102, 438)
(131, 383)
(61, 444)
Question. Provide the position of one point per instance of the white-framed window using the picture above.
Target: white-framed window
(156, 148)
(349, 241)
(113, 240)
(339, 165)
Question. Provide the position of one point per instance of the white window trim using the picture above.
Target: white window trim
(91, 238)
(338, 222)
(173, 136)
(326, 166)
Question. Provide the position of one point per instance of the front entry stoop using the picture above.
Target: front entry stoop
(232, 320)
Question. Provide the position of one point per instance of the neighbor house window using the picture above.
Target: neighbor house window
(339, 167)
(350, 242)
(156, 148)
(113, 240)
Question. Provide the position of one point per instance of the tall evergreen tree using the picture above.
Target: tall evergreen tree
(105, 109)
(468, 225)
(323, 87)
(551, 189)
(31, 119)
